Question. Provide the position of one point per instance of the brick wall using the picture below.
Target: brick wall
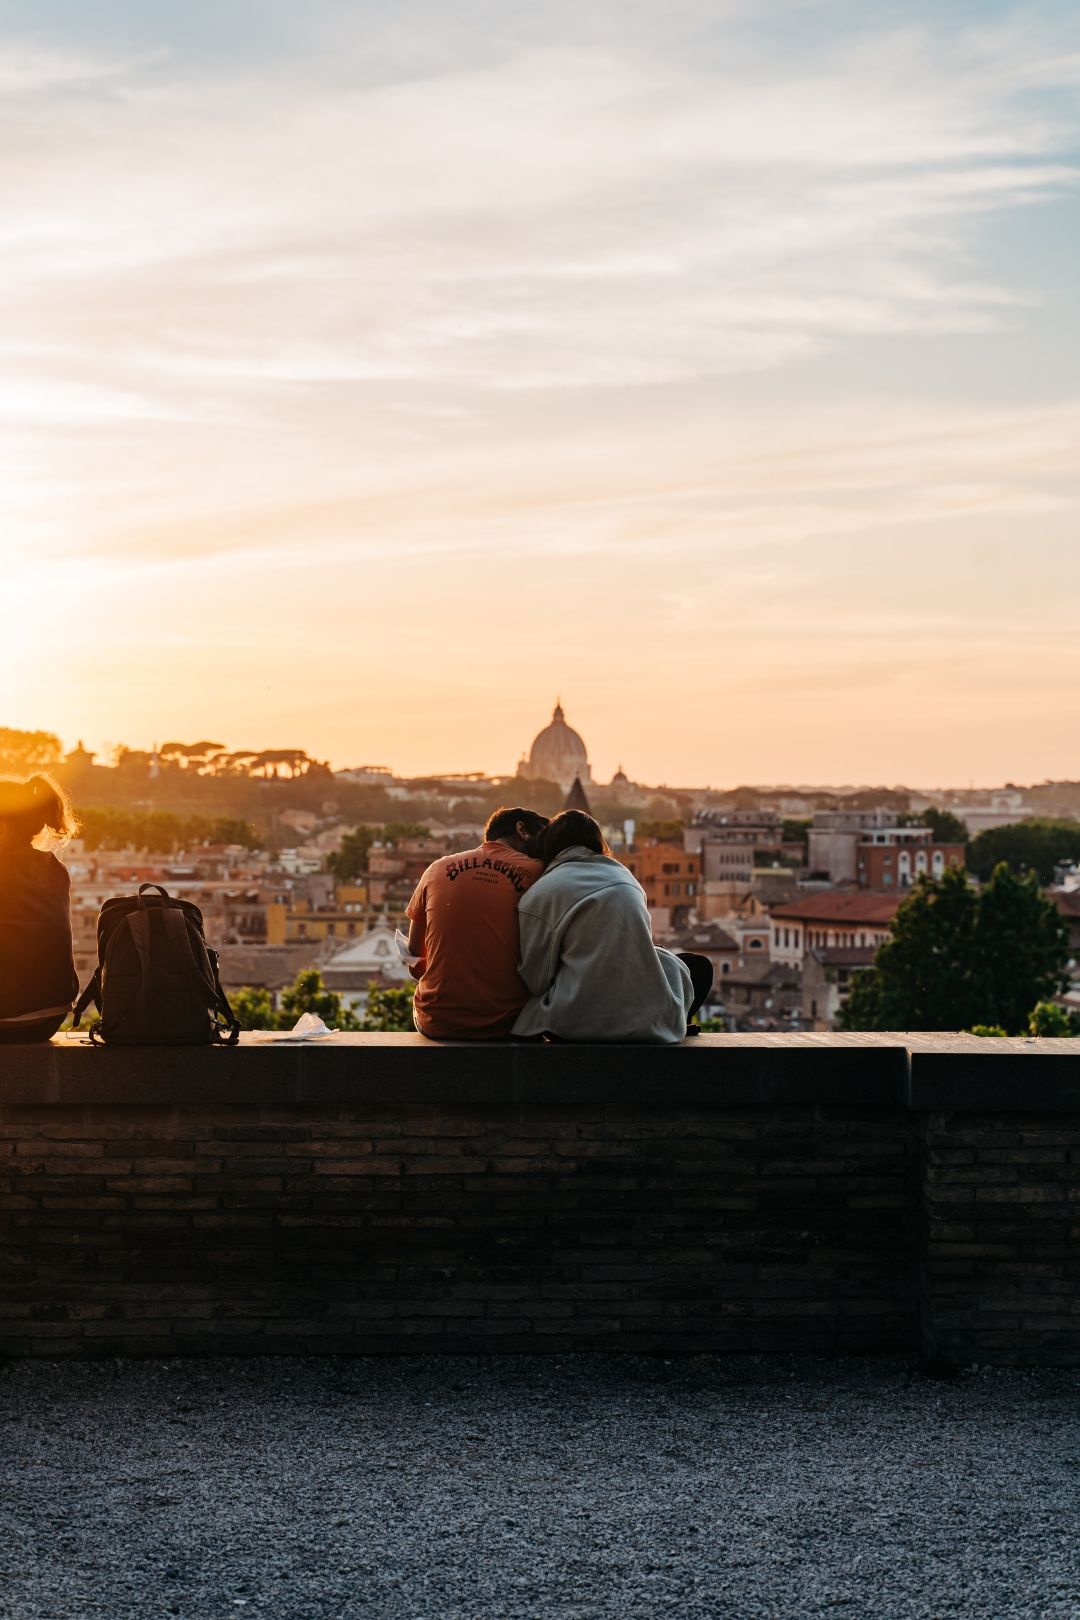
(1001, 1203)
(382, 1194)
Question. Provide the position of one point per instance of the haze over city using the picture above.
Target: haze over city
(373, 375)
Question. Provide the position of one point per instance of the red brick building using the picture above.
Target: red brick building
(671, 878)
(892, 859)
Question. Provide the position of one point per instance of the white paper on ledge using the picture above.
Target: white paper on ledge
(309, 1027)
(306, 1028)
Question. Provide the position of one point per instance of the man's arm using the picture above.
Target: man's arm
(417, 932)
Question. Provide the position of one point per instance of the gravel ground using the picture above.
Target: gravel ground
(527, 1488)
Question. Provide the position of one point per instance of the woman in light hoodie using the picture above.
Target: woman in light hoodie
(587, 952)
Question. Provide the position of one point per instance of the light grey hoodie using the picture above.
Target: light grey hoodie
(588, 958)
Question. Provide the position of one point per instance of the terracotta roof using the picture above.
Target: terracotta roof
(857, 907)
(270, 967)
(1066, 900)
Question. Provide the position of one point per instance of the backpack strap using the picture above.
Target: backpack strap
(223, 1005)
(92, 993)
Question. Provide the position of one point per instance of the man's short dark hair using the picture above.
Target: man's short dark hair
(502, 823)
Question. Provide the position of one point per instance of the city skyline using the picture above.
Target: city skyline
(600, 779)
(373, 376)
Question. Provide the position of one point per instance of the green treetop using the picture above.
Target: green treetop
(946, 827)
(957, 958)
(349, 861)
(1027, 846)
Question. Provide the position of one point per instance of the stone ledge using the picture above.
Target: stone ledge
(815, 1193)
(967, 1074)
(924, 1073)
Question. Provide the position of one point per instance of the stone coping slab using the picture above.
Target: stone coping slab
(922, 1072)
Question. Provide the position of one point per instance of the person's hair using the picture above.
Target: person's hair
(568, 830)
(34, 806)
(502, 823)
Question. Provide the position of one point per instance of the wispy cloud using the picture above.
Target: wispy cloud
(608, 283)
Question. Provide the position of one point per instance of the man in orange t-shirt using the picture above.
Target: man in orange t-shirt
(464, 932)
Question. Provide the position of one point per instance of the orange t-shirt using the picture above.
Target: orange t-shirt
(467, 907)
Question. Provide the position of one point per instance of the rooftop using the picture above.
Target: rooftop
(831, 907)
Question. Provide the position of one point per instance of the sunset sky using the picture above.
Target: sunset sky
(372, 374)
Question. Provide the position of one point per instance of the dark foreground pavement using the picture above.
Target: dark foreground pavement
(580, 1487)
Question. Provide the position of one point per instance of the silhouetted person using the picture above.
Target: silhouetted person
(37, 970)
(587, 951)
(463, 927)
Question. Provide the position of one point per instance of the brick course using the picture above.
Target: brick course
(381, 1194)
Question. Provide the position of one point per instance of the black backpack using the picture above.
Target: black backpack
(156, 982)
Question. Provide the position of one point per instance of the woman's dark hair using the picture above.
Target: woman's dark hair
(570, 829)
(28, 808)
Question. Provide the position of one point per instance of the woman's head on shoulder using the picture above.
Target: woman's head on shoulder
(32, 808)
(571, 829)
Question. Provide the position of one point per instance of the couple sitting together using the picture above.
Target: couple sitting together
(541, 933)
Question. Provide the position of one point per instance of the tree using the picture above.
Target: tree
(230, 830)
(666, 830)
(308, 993)
(946, 828)
(1026, 846)
(956, 959)
(270, 759)
(105, 827)
(24, 752)
(920, 977)
(1048, 1019)
(1020, 949)
(350, 860)
(190, 755)
(252, 1008)
(396, 832)
(389, 1009)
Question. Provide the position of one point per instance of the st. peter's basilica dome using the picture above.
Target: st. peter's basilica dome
(557, 755)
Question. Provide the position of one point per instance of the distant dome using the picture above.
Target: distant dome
(558, 754)
(620, 779)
